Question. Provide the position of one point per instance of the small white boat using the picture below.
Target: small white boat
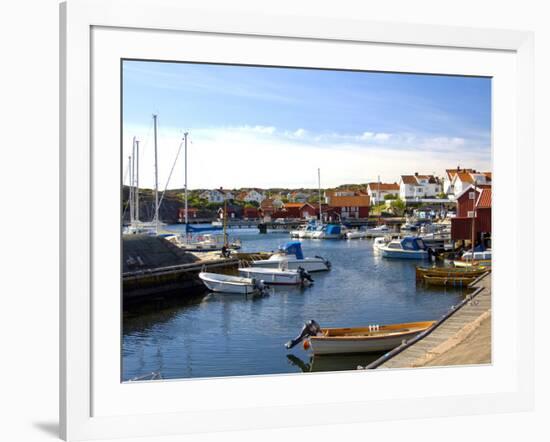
(378, 231)
(330, 231)
(409, 247)
(356, 234)
(291, 257)
(231, 284)
(481, 258)
(372, 338)
(304, 231)
(380, 242)
(277, 276)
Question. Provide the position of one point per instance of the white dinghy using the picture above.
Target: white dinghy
(278, 276)
(231, 284)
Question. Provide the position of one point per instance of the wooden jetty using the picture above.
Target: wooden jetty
(154, 268)
(456, 326)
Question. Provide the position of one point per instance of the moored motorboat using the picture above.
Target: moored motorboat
(409, 247)
(356, 234)
(378, 231)
(330, 231)
(205, 243)
(450, 271)
(449, 281)
(291, 257)
(380, 242)
(372, 338)
(278, 276)
(231, 284)
(480, 258)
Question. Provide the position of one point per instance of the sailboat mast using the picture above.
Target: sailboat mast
(474, 220)
(186, 212)
(378, 198)
(319, 189)
(225, 242)
(130, 195)
(156, 176)
(136, 217)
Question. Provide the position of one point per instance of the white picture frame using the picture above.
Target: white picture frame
(86, 381)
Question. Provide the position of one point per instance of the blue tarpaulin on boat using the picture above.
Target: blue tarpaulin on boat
(334, 229)
(412, 243)
(293, 248)
(190, 228)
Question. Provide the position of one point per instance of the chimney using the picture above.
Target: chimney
(458, 168)
(416, 174)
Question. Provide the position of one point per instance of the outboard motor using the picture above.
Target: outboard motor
(310, 328)
(260, 285)
(326, 261)
(305, 277)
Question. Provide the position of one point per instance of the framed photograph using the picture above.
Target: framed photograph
(266, 218)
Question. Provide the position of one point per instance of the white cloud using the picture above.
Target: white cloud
(262, 156)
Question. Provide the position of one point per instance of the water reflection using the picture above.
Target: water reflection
(316, 363)
(231, 335)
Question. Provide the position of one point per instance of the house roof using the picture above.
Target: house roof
(350, 201)
(452, 172)
(408, 179)
(484, 200)
(383, 186)
(298, 205)
(268, 202)
(465, 177)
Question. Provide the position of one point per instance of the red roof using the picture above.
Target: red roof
(409, 179)
(485, 198)
(383, 186)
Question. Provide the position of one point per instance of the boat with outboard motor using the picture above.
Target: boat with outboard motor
(480, 258)
(290, 257)
(409, 247)
(305, 231)
(278, 276)
(232, 284)
(372, 338)
(330, 231)
(378, 231)
(380, 242)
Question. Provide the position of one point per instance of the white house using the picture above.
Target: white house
(419, 186)
(450, 175)
(462, 180)
(217, 195)
(252, 195)
(377, 191)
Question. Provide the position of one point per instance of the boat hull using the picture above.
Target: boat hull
(403, 254)
(227, 286)
(272, 276)
(335, 345)
(308, 264)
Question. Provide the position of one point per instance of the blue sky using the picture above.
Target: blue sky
(354, 125)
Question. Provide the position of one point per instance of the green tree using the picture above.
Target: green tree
(398, 207)
(390, 196)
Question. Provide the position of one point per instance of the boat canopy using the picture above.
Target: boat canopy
(412, 243)
(293, 248)
(196, 229)
(334, 229)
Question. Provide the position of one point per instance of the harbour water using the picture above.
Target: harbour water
(211, 335)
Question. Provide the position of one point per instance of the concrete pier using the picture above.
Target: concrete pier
(463, 338)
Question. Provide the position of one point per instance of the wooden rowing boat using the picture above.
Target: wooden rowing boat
(450, 271)
(449, 281)
(374, 338)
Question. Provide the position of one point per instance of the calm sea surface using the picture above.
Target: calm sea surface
(229, 335)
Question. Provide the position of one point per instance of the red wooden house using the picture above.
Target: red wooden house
(472, 203)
